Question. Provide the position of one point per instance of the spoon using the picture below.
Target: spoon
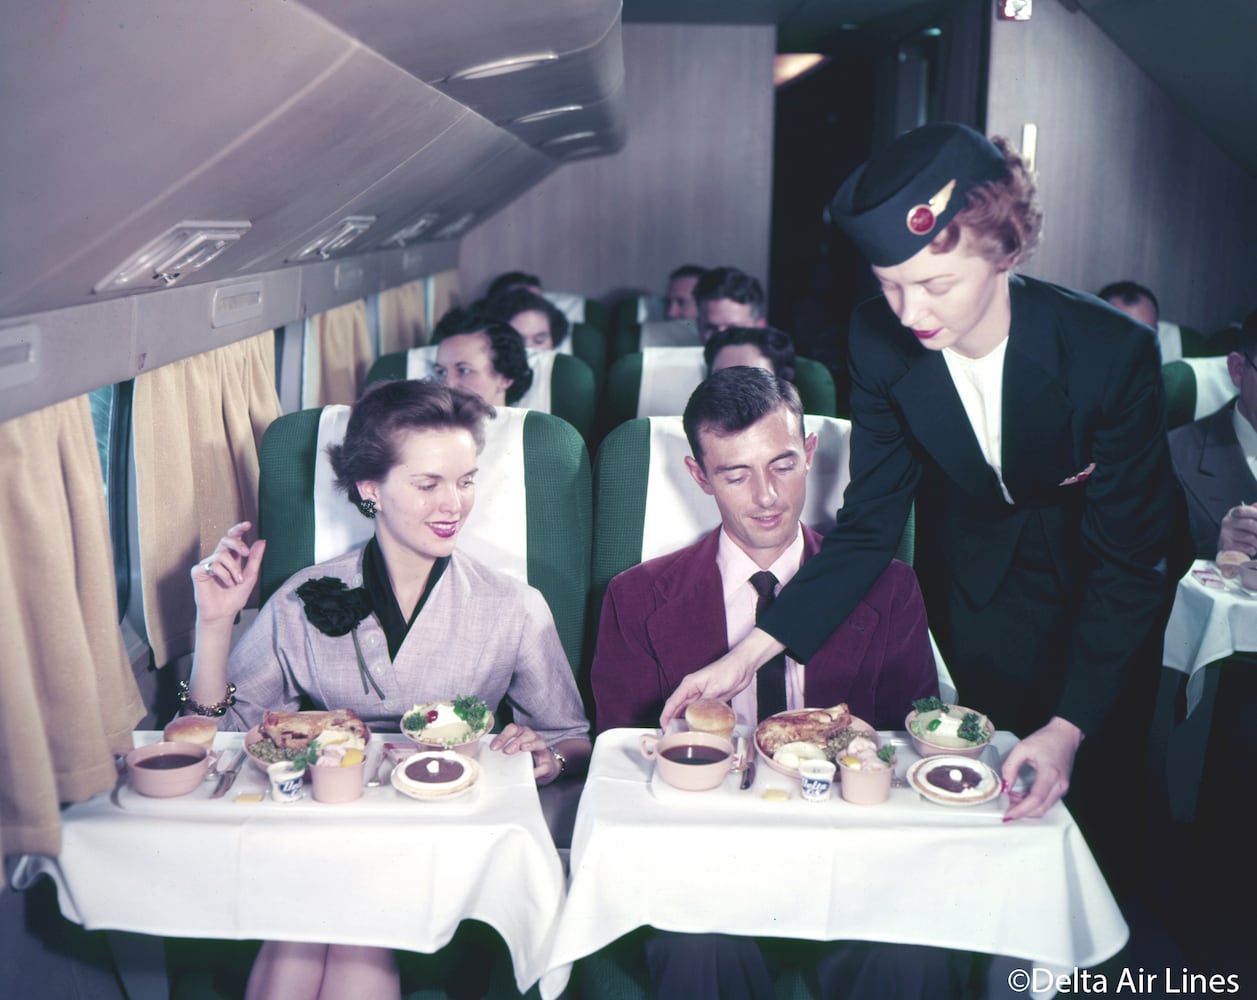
(377, 779)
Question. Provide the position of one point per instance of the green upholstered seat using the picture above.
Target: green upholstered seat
(590, 345)
(573, 388)
(627, 339)
(1194, 388)
(559, 512)
(816, 387)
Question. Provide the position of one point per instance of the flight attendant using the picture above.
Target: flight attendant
(1028, 422)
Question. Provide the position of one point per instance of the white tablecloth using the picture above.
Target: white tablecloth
(805, 870)
(1212, 619)
(386, 870)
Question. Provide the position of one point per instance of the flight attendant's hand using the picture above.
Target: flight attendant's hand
(1050, 751)
(1239, 530)
(224, 580)
(725, 677)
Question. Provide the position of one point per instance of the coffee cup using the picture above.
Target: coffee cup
(815, 779)
(690, 761)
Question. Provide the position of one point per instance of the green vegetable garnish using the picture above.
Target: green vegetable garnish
(413, 722)
(934, 724)
(971, 728)
(887, 753)
(931, 704)
(307, 757)
(471, 710)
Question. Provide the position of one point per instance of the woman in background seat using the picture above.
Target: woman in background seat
(482, 355)
(539, 321)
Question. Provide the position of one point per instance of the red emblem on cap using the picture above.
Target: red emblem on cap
(923, 218)
(920, 219)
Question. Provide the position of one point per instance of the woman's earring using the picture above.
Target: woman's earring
(367, 507)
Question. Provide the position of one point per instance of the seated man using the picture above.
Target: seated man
(1138, 302)
(678, 301)
(727, 297)
(745, 428)
(754, 346)
(1216, 461)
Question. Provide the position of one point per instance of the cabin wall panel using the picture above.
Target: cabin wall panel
(693, 182)
(1130, 187)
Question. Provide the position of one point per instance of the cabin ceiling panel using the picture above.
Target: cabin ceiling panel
(418, 35)
(96, 103)
(288, 179)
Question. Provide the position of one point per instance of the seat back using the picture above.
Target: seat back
(533, 516)
(658, 381)
(1195, 388)
(589, 344)
(562, 383)
(579, 309)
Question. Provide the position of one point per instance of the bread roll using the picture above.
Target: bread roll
(196, 729)
(710, 716)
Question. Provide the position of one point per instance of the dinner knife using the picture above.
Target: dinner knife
(227, 775)
(748, 765)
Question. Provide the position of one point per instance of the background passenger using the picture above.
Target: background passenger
(538, 320)
(512, 280)
(482, 355)
(727, 297)
(1134, 300)
(755, 346)
(1216, 461)
(678, 301)
(433, 624)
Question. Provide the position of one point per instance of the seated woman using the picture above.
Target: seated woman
(539, 321)
(482, 355)
(752, 346)
(437, 624)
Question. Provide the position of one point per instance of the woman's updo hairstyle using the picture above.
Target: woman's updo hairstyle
(506, 346)
(510, 304)
(370, 446)
(1002, 216)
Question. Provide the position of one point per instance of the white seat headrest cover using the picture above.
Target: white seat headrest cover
(669, 375)
(669, 333)
(1214, 387)
(338, 526)
(421, 362)
(569, 304)
(1170, 339)
(538, 396)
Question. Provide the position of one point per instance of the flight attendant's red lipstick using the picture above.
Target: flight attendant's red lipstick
(926, 334)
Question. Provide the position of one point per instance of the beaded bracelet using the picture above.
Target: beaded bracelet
(559, 759)
(197, 708)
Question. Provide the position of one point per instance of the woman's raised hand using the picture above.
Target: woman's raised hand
(224, 579)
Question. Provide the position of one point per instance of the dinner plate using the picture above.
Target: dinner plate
(793, 772)
(254, 735)
(473, 775)
(917, 771)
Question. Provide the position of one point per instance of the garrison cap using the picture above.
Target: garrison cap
(898, 201)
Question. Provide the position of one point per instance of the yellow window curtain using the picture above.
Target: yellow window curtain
(402, 318)
(445, 294)
(197, 424)
(68, 699)
(337, 355)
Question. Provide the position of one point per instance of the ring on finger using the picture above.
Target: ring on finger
(208, 565)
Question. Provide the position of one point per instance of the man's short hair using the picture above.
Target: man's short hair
(1128, 293)
(730, 283)
(732, 400)
(775, 345)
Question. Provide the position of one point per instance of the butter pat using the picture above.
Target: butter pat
(249, 797)
(776, 795)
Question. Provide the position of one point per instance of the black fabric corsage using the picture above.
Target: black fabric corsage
(335, 610)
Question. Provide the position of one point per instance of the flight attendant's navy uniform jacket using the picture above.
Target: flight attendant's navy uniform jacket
(1083, 450)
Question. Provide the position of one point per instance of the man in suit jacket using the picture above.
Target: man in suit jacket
(1216, 461)
(658, 618)
(746, 432)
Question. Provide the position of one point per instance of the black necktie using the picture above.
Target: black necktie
(771, 678)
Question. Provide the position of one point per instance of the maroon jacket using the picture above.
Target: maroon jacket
(665, 618)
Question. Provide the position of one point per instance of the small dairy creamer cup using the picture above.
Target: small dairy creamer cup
(286, 781)
(816, 777)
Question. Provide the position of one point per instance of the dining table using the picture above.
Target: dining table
(908, 870)
(385, 870)
(1212, 622)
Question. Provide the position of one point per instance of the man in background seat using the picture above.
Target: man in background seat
(678, 300)
(727, 297)
(1216, 460)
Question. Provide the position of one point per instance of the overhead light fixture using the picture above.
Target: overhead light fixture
(559, 140)
(412, 232)
(540, 116)
(795, 65)
(336, 238)
(501, 67)
(180, 250)
(457, 227)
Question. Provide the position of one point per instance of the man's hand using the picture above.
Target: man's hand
(1050, 751)
(1239, 530)
(725, 677)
